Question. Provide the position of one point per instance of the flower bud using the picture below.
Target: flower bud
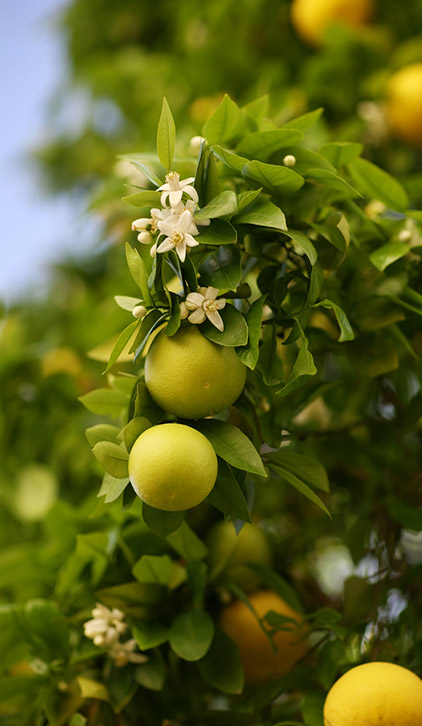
(195, 144)
(145, 238)
(289, 160)
(139, 311)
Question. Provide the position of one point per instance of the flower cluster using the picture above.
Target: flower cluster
(175, 221)
(105, 630)
(201, 305)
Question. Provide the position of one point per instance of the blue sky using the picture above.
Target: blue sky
(36, 229)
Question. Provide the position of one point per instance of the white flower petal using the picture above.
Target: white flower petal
(202, 222)
(181, 250)
(138, 658)
(166, 245)
(216, 319)
(139, 225)
(185, 221)
(175, 197)
(211, 293)
(184, 311)
(187, 181)
(168, 226)
(145, 238)
(220, 304)
(191, 191)
(197, 317)
(153, 250)
(190, 241)
(194, 300)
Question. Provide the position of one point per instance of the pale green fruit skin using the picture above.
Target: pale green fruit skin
(172, 467)
(191, 377)
(375, 694)
(229, 551)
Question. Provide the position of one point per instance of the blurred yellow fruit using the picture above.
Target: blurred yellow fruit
(229, 551)
(61, 360)
(172, 467)
(191, 377)
(311, 17)
(404, 104)
(260, 663)
(375, 694)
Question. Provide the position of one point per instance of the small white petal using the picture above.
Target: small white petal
(194, 300)
(216, 319)
(138, 658)
(197, 317)
(191, 191)
(138, 225)
(175, 197)
(168, 226)
(211, 293)
(187, 181)
(181, 250)
(153, 250)
(99, 640)
(184, 312)
(191, 241)
(185, 221)
(165, 246)
(220, 304)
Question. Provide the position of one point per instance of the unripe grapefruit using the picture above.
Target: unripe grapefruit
(191, 377)
(373, 694)
(404, 103)
(172, 467)
(260, 663)
(228, 552)
(311, 17)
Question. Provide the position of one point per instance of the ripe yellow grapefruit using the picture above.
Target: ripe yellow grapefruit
(404, 104)
(190, 376)
(311, 17)
(228, 553)
(373, 694)
(172, 467)
(260, 663)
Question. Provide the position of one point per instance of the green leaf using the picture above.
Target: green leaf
(101, 432)
(186, 543)
(92, 689)
(224, 123)
(166, 135)
(112, 457)
(221, 269)
(249, 353)
(219, 232)
(112, 488)
(235, 328)
(232, 445)
(149, 635)
(105, 402)
(161, 522)
(332, 183)
(145, 406)
(46, 629)
(233, 161)
(304, 366)
(304, 243)
(134, 429)
(340, 153)
(227, 495)
(346, 330)
(269, 363)
(138, 272)
(223, 205)
(378, 184)
(152, 675)
(377, 311)
(211, 180)
(387, 254)
(174, 321)
(191, 634)
(310, 470)
(145, 198)
(316, 284)
(262, 144)
(277, 584)
(121, 343)
(147, 171)
(221, 667)
(152, 320)
(279, 179)
(262, 213)
(258, 108)
(127, 303)
(305, 121)
(295, 482)
(244, 199)
(312, 708)
(159, 570)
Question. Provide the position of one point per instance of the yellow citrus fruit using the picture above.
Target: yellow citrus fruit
(373, 694)
(172, 467)
(229, 551)
(311, 17)
(404, 103)
(260, 663)
(190, 376)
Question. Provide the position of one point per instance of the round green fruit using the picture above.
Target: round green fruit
(191, 377)
(229, 552)
(172, 467)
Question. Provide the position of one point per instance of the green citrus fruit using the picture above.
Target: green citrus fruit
(190, 376)
(404, 103)
(311, 17)
(172, 467)
(228, 553)
(260, 663)
(375, 693)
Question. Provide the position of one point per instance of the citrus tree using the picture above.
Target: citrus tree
(254, 536)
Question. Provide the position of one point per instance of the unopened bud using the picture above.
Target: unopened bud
(195, 144)
(145, 238)
(404, 235)
(139, 311)
(375, 207)
(289, 160)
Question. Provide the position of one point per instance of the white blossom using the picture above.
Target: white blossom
(195, 144)
(174, 189)
(105, 629)
(178, 234)
(289, 160)
(202, 305)
(150, 224)
(124, 653)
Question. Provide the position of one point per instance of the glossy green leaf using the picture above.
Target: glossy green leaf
(346, 330)
(105, 402)
(262, 144)
(305, 121)
(223, 205)
(304, 243)
(191, 634)
(112, 488)
(112, 457)
(152, 675)
(262, 213)
(278, 584)
(310, 470)
(127, 303)
(145, 198)
(173, 324)
(232, 445)
(227, 495)
(101, 432)
(233, 161)
(211, 180)
(332, 182)
(221, 269)
(249, 353)
(279, 179)
(385, 255)
(219, 232)
(244, 199)
(235, 328)
(161, 522)
(221, 667)
(166, 135)
(185, 542)
(303, 367)
(134, 429)
(224, 123)
(149, 635)
(138, 272)
(298, 484)
(159, 570)
(378, 184)
(340, 153)
(147, 171)
(121, 343)
(269, 363)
